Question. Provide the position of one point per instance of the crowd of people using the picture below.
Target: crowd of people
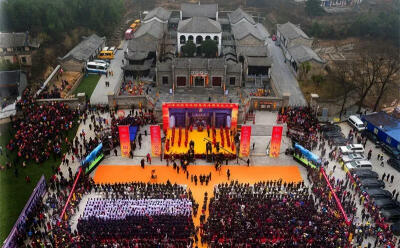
(40, 129)
(133, 88)
(269, 214)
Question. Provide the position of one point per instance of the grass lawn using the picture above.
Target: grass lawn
(14, 192)
(87, 85)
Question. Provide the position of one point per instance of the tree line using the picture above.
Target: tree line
(54, 17)
(371, 74)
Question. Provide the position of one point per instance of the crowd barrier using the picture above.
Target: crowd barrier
(38, 192)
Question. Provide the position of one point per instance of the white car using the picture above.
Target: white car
(353, 157)
(107, 64)
(359, 165)
(352, 148)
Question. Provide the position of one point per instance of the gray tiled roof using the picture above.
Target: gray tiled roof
(199, 25)
(205, 10)
(303, 53)
(153, 28)
(139, 45)
(233, 67)
(199, 63)
(85, 48)
(158, 12)
(242, 29)
(252, 50)
(9, 40)
(291, 31)
(146, 66)
(238, 15)
(259, 61)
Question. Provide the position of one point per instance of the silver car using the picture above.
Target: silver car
(353, 157)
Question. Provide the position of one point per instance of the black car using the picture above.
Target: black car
(395, 228)
(391, 151)
(386, 203)
(371, 136)
(395, 163)
(391, 215)
(378, 193)
(332, 134)
(331, 127)
(370, 183)
(339, 141)
(362, 174)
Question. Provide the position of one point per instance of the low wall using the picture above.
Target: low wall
(127, 101)
(266, 103)
(74, 103)
(77, 83)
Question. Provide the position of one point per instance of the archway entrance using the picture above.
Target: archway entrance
(199, 79)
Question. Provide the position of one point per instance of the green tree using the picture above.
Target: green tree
(209, 48)
(189, 49)
(6, 65)
(313, 8)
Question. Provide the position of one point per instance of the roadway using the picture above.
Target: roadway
(283, 77)
(99, 95)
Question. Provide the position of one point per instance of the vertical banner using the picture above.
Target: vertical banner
(124, 140)
(165, 116)
(234, 118)
(245, 141)
(155, 140)
(275, 141)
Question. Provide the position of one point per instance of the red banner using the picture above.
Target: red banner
(245, 141)
(234, 117)
(155, 140)
(165, 116)
(276, 137)
(124, 140)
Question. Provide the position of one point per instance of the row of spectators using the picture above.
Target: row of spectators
(269, 214)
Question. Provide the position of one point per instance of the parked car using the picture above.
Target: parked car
(378, 193)
(359, 165)
(391, 215)
(372, 137)
(396, 228)
(395, 163)
(386, 203)
(274, 37)
(352, 148)
(361, 174)
(330, 128)
(353, 157)
(391, 151)
(339, 141)
(332, 134)
(370, 183)
(356, 122)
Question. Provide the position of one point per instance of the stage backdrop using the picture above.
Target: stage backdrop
(275, 141)
(155, 140)
(124, 140)
(167, 105)
(245, 141)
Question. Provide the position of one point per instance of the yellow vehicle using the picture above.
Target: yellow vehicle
(106, 54)
(137, 21)
(133, 26)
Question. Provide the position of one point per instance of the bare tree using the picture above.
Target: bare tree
(387, 74)
(341, 73)
(366, 72)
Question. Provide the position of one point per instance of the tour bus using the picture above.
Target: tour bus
(96, 67)
(106, 54)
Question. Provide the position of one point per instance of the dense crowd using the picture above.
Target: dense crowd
(40, 129)
(302, 125)
(273, 214)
